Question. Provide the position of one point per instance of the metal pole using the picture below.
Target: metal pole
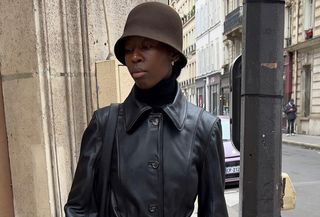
(261, 105)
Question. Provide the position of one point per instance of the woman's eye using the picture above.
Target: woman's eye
(128, 50)
(148, 45)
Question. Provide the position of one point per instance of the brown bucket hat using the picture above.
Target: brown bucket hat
(156, 21)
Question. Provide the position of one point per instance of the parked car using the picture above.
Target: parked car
(232, 154)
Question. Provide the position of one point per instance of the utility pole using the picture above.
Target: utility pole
(261, 105)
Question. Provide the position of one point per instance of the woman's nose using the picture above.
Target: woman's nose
(136, 56)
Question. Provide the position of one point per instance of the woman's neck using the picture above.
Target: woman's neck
(161, 94)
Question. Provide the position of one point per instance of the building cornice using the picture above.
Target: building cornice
(304, 45)
(189, 21)
(208, 74)
(216, 25)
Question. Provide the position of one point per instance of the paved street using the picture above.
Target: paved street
(303, 167)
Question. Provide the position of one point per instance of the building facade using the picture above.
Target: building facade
(186, 10)
(302, 62)
(209, 55)
(49, 57)
(232, 39)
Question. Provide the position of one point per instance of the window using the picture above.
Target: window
(306, 85)
(226, 8)
(200, 96)
(208, 59)
(193, 70)
(308, 14)
(235, 4)
(237, 48)
(217, 63)
(287, 25)
(211, 58)
(205, 61)
(226, 53)
(225, 100)
(213, 99)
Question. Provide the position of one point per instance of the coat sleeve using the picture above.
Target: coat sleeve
(211, 201)
(286, 109)
(81, 202)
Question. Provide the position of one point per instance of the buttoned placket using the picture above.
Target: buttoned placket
(155, 123)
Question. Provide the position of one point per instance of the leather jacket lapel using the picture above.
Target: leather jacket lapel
(134, 109)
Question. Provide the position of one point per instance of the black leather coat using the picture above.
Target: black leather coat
(163, 159)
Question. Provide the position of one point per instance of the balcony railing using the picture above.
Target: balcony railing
(189, 15)
(190, 50)
(233, 20)
(287, 41)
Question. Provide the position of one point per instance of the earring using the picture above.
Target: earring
(172, 63)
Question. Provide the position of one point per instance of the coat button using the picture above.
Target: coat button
(153, 208)
(155, 121)
(154, 164)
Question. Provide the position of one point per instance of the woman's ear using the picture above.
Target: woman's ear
(175, 56)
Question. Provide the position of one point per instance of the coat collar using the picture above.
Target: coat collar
(134, 110)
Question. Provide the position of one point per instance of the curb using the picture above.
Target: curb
(304, 145)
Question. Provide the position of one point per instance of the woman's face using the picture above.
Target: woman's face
(148, 61)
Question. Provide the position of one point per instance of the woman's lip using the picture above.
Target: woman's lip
(138, 74)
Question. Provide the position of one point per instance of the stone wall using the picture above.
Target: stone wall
(6, 203)
(306, 57)
(48, 53)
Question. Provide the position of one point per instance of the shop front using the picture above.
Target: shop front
(214, 94)
(201, 92)
(225, 95)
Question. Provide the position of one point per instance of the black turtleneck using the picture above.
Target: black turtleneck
(161, 94)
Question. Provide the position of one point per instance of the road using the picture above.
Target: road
(303, 167)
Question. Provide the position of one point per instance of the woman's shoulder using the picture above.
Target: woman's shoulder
(102, 114)
(205, 118)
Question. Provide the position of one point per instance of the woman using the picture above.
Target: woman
(166, 151)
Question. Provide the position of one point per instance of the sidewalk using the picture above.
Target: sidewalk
(305, 141)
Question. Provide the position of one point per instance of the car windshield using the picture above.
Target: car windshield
(226, 129)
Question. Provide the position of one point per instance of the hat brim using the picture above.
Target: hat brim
(119, 51)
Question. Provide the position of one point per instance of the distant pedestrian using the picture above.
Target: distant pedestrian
(165, 151)
(291, 110)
